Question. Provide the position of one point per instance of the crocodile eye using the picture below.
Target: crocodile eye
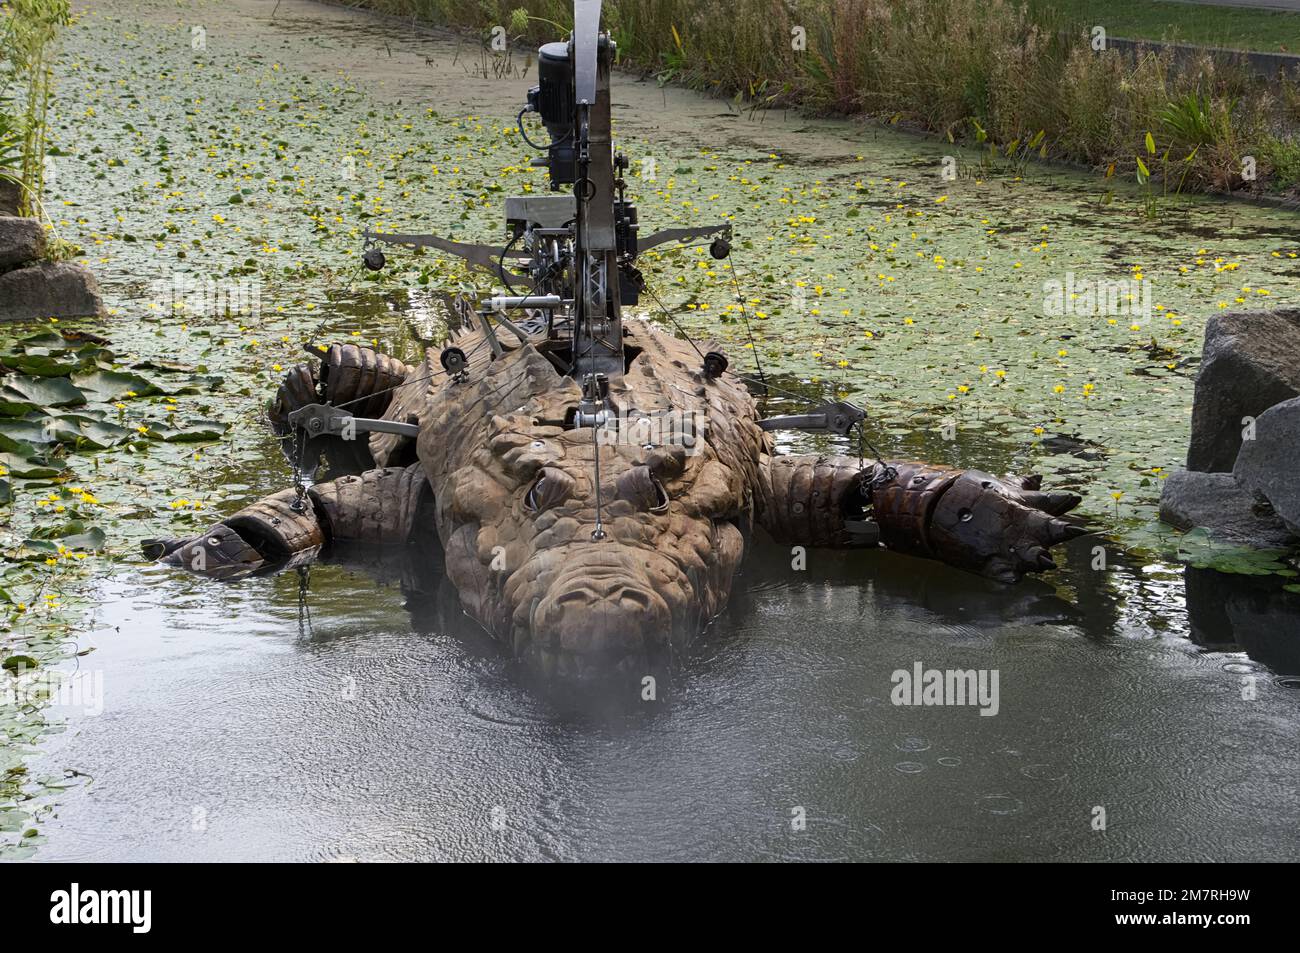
(642, 488)
(551, 488)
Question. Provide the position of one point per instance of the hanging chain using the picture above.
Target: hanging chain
(304, 607)
(299, 505)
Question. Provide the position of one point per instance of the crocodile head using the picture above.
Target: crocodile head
(517, 515)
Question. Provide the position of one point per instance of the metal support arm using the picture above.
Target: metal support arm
(322, 420)
(682, 235)
(484, 257)
(839, 418)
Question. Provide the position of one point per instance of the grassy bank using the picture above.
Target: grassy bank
(1021, 81)
(1238, 28)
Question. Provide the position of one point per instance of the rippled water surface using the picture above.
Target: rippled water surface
(344, 726)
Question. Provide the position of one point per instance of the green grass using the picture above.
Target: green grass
(1269, 31)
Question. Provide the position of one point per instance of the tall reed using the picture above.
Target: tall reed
(948, 66)
(27, 52)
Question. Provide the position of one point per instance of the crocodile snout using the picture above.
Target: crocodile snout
(594, 620)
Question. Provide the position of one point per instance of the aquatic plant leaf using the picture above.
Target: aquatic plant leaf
(46, 391)
(17, 408)
(92, 539)
(43, 339)
(100, 434)
(1201, 549)
(24, 432)
(110, 385)
(28, 467)
(195, 431)
(40, 365)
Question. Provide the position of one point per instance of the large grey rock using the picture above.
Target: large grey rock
(10, 195)
(47, 290)
(1270, 464)
(1251, 361)
(21, 240)
(1220, 504)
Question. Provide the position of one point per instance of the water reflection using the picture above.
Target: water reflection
(353, 710)
(1229, 612)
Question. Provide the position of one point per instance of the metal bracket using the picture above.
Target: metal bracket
(839, 418)
(483, 257)
(322, 420)
(586, 39)
(682, 235)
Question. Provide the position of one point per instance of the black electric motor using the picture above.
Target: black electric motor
(553, 99)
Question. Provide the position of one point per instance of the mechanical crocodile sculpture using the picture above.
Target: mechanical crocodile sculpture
(593, 482)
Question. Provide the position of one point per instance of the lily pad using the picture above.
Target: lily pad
(110, 385)
(41, 365)
(17, 408)
(193, 432)
(29, 432)
(17, 447)
(92, 539)
(45, 339)
(46, 391)
(1201, 549)
(95, 434)
(28, 467)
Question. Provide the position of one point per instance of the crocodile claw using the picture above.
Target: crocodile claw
(1001, 528)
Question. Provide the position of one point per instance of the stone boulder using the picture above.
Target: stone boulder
(10, 195)
(1269, 465)
(1219, 503)
(1251, 361)
(21, 240)
(49, 290)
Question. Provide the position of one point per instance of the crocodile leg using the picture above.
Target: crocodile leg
(348, 374)
(1001, 528)
(389, 506)
(360, 379)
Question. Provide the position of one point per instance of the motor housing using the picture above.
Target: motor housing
(553, 99)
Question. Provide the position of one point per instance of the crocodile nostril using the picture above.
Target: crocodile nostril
(586, 596)
(636, 597)
(575, 595)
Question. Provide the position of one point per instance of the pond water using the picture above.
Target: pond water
(338, 714)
